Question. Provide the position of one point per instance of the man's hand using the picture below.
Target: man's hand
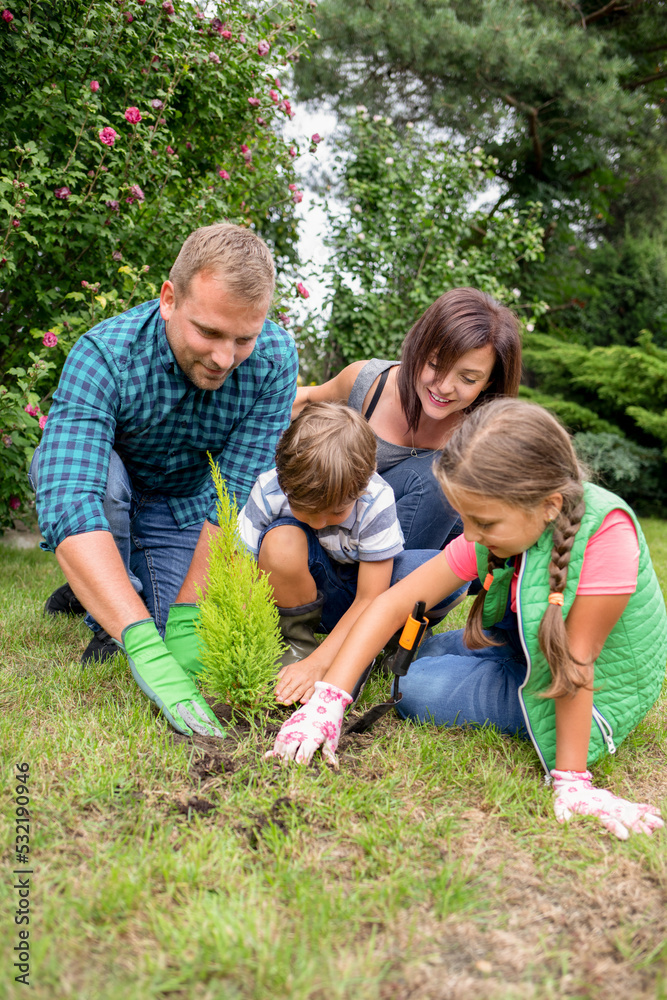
(574, 793)
(317, 724)
(296, 681)
(181, 638)
(160, 677)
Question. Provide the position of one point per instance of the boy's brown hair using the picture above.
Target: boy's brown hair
(325, 458)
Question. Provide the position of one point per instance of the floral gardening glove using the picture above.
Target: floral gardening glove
(181, 638)
(574, 793)
(317, 724)
(165, 682)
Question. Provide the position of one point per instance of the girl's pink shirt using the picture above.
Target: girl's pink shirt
(611, 559)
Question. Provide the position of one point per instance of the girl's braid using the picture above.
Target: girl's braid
(566, 674)
(474, 636)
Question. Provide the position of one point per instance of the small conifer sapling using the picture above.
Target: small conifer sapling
(239, 629)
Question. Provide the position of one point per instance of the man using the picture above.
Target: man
(124, 493)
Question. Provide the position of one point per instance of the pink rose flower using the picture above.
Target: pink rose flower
(276, 83)
(263, 48)
(296, 198)
(49, 339)
(113, 205)
(137, 193)
(168, 7)
(287, 108)
(94, 86)
(133, 115)
(14, 503)
(117, 255)
(292, 151)
(16, 223)
(63, 193)
(226, 34)
(32, 411)
(157, 104)
(241, 38)
(42, 422)
(261, 122)
(305, 294)
(292, 187)
(128, 17)
(214, 57)
(316, 137)
(188, 145)
(274, 95)
(223, 174)
(254, 102)
(284, 319)
(108, 136)
(245, 149)
(7, 16)
(170, 151)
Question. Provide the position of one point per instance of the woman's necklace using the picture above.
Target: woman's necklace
(413, 451)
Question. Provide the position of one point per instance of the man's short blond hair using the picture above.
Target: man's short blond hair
(232, 253)
(325, 458)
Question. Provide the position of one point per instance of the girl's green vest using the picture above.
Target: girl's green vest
(631, 667)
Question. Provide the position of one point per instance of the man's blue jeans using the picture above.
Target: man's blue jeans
(427, 518)
(156, 553)
(451, 685)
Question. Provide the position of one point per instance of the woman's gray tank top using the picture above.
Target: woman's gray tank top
(388, 454)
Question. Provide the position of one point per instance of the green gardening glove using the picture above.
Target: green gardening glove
(165, 682)
(181, 639)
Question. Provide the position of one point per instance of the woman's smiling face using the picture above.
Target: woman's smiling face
(442, 394)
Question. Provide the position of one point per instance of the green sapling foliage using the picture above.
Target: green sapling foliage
(239, 628)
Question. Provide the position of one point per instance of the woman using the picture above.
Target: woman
(462, 351)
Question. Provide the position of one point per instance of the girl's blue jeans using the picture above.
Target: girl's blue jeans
(156, 553)
(427, 518)
(337, 582)
(451, 685)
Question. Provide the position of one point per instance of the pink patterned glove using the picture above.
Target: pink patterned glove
(317, 724)
(574, 793)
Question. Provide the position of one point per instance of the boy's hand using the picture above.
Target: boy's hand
(296, 682)
(574, 793)
(317, 724)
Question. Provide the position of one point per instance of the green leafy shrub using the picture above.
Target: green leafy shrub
(239, 627)
(123, 127)
(410, 232)
(637, 474)
(21, 424)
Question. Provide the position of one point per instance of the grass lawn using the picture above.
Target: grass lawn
(429, 866)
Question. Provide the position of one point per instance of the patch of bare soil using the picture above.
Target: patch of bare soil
(546, 933)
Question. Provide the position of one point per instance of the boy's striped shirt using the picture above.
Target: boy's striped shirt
(370, 533)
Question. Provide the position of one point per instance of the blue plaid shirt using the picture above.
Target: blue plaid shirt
(121, 388)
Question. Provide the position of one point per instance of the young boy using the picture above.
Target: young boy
(323, 525)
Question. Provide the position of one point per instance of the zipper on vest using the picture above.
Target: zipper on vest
(528, 667)
(605, 729)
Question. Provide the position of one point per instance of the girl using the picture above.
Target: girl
(566, 643)
(464, 349)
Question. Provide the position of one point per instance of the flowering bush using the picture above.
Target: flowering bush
(123, 135)
(410, 233)
(21, 424)
(121, 131)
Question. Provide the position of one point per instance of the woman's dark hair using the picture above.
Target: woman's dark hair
(461, 320)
